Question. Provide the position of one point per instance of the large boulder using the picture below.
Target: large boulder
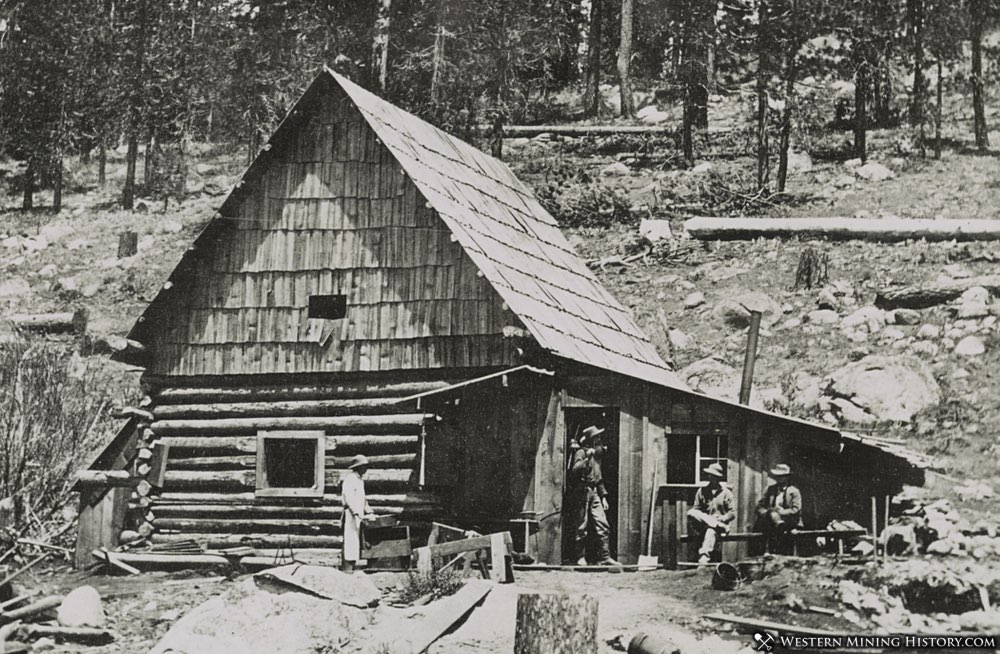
(81, 608)
(734, 312)
(714, 377)
(889, 388)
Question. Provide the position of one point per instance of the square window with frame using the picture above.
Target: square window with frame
(290, 464)
(689, 454)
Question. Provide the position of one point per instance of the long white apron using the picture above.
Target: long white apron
(353, 493)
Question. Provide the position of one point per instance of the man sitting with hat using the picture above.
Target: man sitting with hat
(356, 510)
(712, 513)
(588, 497)
(779, 511)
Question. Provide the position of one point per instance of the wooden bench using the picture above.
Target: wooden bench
(796, 535)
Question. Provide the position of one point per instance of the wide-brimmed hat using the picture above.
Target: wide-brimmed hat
(359, 461)
(592, 431)
(715, 470)
(781, 470)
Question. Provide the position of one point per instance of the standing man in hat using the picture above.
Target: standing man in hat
(589, 498)
(779, 511)
(356, 511)
(713, 511)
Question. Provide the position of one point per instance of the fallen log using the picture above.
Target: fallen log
(31, 610)
(82, 635)
(343, 424)
(767, 625)
(514, 131)
(921, 297)
(64, 322)
(151, 561)
(868, 229)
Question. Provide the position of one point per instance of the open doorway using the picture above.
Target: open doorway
(577, 419)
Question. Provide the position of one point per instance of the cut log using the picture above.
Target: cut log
(556, 623)
(39, 607)
(375, 499)
(250, 512)
(106, 478)
(921, 297)
(151, 561)
(128, 244)
(249, 462)
(766, 625)
(256, 525)
(241, 479)
(839, 229)
(124, 348)
(82, 635)
(168, 394)
(66, 322)
(305, 408)
(343, 445)
(277, 541)
(399, 423)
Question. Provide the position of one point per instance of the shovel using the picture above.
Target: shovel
(647, 561)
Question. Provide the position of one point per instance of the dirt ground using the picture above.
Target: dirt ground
(141, 609)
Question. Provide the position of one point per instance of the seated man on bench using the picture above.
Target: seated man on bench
(712, 512)
(779, 511)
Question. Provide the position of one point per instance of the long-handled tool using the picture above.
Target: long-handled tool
(647, 561)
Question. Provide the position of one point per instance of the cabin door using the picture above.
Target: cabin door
(577, 419)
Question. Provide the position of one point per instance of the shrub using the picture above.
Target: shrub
(54, 412)
(437, 583)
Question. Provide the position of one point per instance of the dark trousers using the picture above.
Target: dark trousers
(589, 515)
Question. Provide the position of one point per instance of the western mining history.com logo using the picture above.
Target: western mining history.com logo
(768, 642)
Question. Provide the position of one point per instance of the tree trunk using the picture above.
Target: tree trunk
(697, 25)
(380, 46)
(102, 165)
(28, 198)
(763, 71)
(131, 156)
(556, 624)
(687, 127)
(592, 93)
(625, 60)
(937, 111)
(861, 82)
(915, 9)
(149, 164)
(978, 107)
(437, 61)
(57, 184)
(786, 117)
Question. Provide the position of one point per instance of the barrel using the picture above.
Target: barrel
(645, 644)
(726, 577)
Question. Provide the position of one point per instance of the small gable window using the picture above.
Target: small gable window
(290, 464)
(328, 307)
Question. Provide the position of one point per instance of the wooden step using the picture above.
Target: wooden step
(343, 445)
(375, 424)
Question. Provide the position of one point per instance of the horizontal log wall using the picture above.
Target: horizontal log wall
(333, 213)
(211, 475)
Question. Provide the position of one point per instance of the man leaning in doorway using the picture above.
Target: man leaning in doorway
(713, 511)
(779, 511)
(590, 499)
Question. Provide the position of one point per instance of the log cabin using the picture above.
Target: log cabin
(374, 285)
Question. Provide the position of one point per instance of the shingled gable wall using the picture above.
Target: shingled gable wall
(333, 213)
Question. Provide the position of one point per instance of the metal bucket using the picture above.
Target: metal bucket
(726, 577)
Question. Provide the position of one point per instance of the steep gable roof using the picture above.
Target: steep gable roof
(515, 243)
(500, 225)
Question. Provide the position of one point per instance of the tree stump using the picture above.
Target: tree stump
(556, 624)
(812, 270)
(128, 244)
